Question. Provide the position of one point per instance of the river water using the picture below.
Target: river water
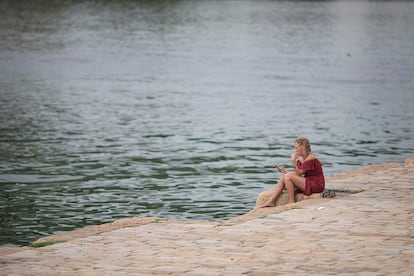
(178, 109)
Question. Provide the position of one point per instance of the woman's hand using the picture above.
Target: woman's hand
(293, 157)
(280, 169)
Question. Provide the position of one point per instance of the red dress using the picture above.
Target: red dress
(314, 178)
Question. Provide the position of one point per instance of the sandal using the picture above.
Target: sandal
(328, 194)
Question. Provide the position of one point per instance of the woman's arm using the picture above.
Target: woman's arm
(297, 170)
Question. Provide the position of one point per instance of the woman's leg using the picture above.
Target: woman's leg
(293, 181)
(276, 193)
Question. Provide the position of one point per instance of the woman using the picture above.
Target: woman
(307, 178)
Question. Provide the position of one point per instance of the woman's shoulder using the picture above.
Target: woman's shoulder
(312, 160)
(311, 157)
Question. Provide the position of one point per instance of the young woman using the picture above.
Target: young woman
(307, 176)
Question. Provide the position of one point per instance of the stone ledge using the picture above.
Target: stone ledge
(97, 229)
(283, 198)
(409, 161)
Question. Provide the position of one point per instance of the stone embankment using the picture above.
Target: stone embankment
(368, 228)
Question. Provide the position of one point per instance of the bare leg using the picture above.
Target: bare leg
(293, 181)
(278, 190)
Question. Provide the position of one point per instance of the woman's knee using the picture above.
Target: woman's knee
(288, 176)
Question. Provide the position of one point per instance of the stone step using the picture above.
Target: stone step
(283, 198)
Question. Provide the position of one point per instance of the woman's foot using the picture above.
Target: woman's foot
(289, 204)
(267, 204)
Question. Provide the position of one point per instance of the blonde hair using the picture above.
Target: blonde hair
(304, 143)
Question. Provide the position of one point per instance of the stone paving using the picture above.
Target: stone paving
(368, 233)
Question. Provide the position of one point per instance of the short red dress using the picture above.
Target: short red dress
(314, 178)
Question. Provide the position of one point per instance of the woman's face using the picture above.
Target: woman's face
(298, 150)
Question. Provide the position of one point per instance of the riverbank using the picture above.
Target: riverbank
(368, 227)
